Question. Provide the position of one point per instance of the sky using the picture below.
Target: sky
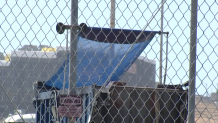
(33, 22)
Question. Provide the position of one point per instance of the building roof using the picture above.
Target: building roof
(152, 61)
(33, 54)
(4, 63)
(53, 54)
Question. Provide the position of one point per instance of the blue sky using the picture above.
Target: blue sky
(33, 22)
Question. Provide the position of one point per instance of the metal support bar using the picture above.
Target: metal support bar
(112, 17)
(71, 26)
(65, 65)
(112, 25)
(73, 51)
(192, 62)
(73, 47)
(161, 45)
(164, 82)
(160, 32)
(60, 27)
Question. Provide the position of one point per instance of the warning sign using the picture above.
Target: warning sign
(70, 105)
(70, 111)
(70, 100)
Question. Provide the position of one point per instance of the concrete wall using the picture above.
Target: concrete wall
(18, 77)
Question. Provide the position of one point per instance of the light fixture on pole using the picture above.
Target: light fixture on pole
(60, 27)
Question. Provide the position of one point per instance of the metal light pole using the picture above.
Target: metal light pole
(192, 62)
(73, 47)
(73, 51)
(65, 65)
(112, 16)
(161, 44)
(112, 25)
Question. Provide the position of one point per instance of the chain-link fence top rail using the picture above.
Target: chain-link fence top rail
(32, 51)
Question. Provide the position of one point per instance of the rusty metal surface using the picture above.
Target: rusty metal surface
(142, 105)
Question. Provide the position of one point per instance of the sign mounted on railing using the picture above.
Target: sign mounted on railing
(70, 106)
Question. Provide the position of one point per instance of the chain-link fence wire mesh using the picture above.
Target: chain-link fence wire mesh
(32, 52)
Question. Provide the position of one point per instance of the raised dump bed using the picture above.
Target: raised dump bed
(130, 104)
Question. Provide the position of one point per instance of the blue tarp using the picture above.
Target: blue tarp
(99, 51)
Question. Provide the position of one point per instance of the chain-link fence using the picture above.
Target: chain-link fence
(108, 61)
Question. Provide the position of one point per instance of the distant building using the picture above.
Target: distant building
(2, 56)
(202, 98)
(18, 74)
(214, 97)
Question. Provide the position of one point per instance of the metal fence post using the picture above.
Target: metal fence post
(73, 51)
(161, 44)
(192, 62)
(112, 16)
(73, 47)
